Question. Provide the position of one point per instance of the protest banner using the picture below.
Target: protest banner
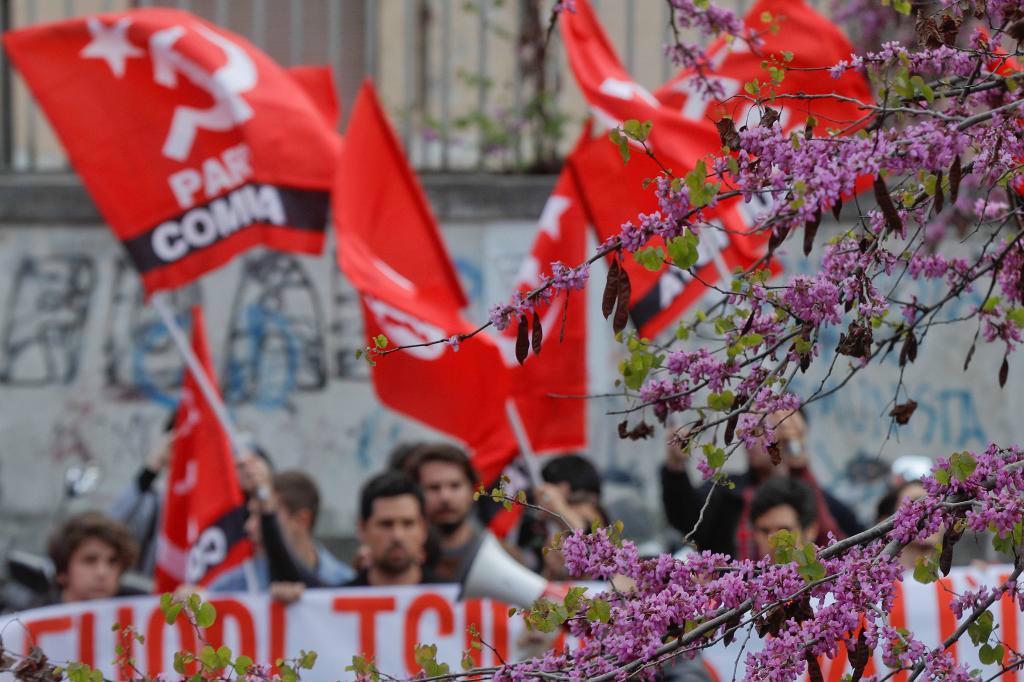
(387, 623)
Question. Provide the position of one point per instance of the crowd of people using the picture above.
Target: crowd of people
(419, 521)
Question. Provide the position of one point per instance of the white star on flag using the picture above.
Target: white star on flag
(110, 43)
(551, 216)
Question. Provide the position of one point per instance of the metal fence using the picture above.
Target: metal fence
(468, 82)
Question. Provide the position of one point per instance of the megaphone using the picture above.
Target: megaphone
(493, 573)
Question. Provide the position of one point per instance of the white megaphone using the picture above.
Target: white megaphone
(495, 574)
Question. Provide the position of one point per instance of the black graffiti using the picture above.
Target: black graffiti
(275, 340)
(45, 320)
(139, 357)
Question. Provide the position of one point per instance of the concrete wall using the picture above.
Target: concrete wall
(87, 374)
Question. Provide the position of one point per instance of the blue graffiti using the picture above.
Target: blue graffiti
(472, 278)
(152, 339)
(373, 453)
(264, 369)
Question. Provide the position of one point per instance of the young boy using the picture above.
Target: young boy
(90, 551)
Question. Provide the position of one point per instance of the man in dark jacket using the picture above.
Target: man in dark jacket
(725, 525)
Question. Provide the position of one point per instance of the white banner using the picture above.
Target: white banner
(387, 623)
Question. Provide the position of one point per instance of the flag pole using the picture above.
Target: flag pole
(163, 307)
(532, 467)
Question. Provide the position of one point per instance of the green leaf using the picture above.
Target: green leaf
(988, 654)
(925, 571)
(288, 673)
(683, 250)
(600, 611)
(242, 664)
(783, 545)
(714, 455)
(572, 599)
(363, 668)
(307, 659)
(721, 401)
(962, 465)
(732, 165)
(809, 567)
(1016, 316)
(171, 613)
(990, 304)
(751, 340)
(208, 657)
(766, 17)
(902, 6)
(206, 615)
(942, 476)
(650, 257)
(380, 341)
(981, 628)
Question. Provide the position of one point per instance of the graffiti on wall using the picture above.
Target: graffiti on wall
(44, 319)
(80, 347)
(140, 360)
(275, 342)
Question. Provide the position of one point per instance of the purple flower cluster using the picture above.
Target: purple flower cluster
(709, 19)
(699, 366)
(851, 601)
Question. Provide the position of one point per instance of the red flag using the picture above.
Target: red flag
(615, 97)
(614, 193)
(193, 143)
(318, 82)
(390, 248)
(809, 39)
(554, 424)
(683, 133)
(202, 527)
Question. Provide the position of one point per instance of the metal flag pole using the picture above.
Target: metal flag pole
(532, 467)
(163, 307)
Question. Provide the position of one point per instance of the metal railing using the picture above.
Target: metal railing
(459, 77)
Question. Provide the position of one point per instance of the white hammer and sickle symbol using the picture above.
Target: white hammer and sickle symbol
(225, 85)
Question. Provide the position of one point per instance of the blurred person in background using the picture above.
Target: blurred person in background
(725, 526)
(448, 481)
(138, 506)
(904, 493)
(572, 484)
(90, 552)
(283, 510)
(578, 511)
(393, 529)
(782, 503)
